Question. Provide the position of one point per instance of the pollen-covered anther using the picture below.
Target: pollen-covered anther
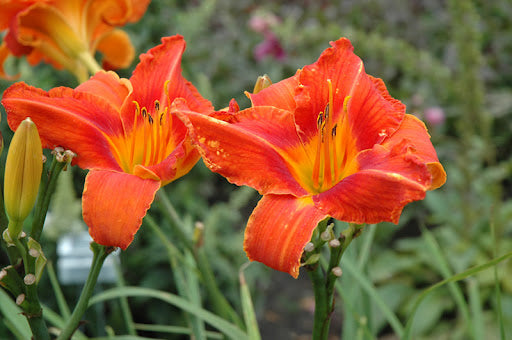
(150, 135)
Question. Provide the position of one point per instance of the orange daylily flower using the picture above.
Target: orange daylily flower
(64, 32)
(329, 141)
(123, 130)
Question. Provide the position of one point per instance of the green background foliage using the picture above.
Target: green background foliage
(453, 55)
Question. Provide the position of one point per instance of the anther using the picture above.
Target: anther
(320, 120)
(333, 131)
(157, 105)
(144, 112)
(150, 119)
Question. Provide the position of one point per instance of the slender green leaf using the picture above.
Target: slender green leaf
(248, 309)
(497, 285)
(446, 272)
(124, 337)
(222, 325)
(393, 320)
(174, 330)
(454, 278)
(476, 309)
(59, 296)
(13, 317)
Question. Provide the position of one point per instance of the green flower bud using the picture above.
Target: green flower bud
(261, 83)
(23, 169)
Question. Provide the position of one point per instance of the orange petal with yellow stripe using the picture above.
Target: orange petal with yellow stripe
(279, 229)
(114, 204)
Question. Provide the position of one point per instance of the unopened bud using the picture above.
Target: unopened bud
(334, 243)
(309, 247)
(19, 299)
(336, 271)
(23, 168)
(29, 279)
(261, 83)
(327, 235)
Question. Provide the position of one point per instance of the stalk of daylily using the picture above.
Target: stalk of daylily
(100, 254)
(23, 169)
(323, 280)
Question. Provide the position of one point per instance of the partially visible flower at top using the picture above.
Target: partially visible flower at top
(434, 116)
(124, 130)
(67, 33)
(270, 46)
(263, 23)
(329, 141)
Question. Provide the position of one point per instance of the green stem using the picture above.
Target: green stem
(322, 318)
(323, 285)
(89, 62)
(176, 222)
(221, 305)
(44, 197)
(100, 254)
(32, 308)
(125, 307)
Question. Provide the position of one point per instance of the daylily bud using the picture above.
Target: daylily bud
(23, 169)
(261, 83)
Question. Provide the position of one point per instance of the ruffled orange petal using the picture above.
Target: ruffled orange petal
(250, 149)
(159, 65)
(108, 86)
(10, 8)
(117, 50)
(43, 26)
(114, 204)
(414, 131)
(386, 181)
(81, 122)
(278, 230)
(372, 113)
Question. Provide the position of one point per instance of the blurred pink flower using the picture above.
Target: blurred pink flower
(434, 116)
(271, 46)
(262, 23)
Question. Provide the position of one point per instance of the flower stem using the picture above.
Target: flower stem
(44, 197)
(100, 254)
(323, 284)
(322, 317)
(31, 306)
(219, 301)
(89, 62)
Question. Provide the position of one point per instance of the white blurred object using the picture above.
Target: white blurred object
(75, 259)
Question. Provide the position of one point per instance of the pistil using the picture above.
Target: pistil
(327, 168)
